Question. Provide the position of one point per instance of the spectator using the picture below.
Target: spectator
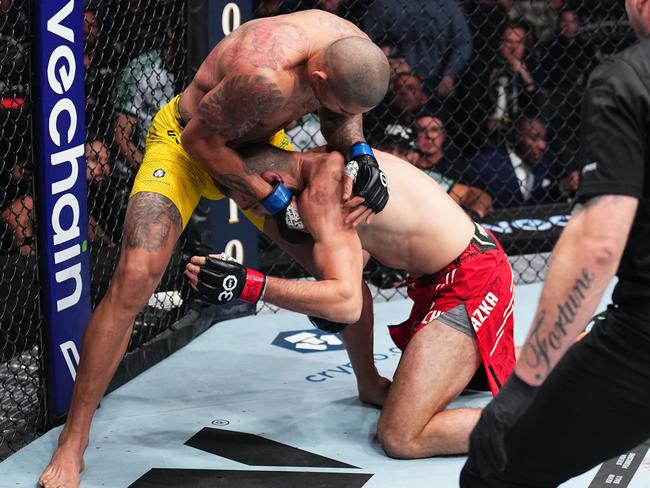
(16, 203)
(487, 18)
(511, 87)
(105, 208)
(522, 173)
(406, 97)
(432, 36)
(541, 15)
(143, 87)
(446, 165)
(568, 61)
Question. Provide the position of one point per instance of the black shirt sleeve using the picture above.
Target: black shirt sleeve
(613, 132)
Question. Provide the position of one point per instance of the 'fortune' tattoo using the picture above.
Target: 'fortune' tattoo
(239, 104)
(536, 351)
(149, 219)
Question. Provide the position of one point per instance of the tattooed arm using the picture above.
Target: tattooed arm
(227, 113)
(340, 131)
(583, 263)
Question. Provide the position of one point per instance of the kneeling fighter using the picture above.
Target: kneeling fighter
(460, 331)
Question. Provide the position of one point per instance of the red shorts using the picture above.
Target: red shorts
(481, 280)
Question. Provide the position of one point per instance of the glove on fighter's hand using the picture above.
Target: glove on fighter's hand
(369, 181)
(222, 280)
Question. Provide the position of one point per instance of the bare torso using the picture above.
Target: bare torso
(421, 229)
(259, 57)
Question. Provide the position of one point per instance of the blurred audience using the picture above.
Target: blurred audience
(520, 171)
(143, 87)
(433, 37)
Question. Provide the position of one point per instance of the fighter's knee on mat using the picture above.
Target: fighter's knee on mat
(396, 442)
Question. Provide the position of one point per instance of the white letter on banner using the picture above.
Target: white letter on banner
(64, 235)
(234, 214)
(67, 156)
(235, 249)
(70, 349)
(67, 74)
(230, 18)
(63, 105)
(54, 24)
(73, 272)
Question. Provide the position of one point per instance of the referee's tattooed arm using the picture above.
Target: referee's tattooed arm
(583, 263)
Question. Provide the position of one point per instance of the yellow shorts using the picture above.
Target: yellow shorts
(167, 169)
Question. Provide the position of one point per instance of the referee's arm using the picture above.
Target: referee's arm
(589, 251)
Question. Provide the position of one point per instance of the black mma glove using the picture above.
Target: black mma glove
(487, 441)
(369, 181)
(326, 325)
(222, 280)
(280, 204)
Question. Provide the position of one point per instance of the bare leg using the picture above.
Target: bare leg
(358, 339)
(436, 366)
(152, 227)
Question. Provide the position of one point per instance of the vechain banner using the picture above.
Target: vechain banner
(59, 115)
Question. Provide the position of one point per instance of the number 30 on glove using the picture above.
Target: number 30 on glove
(222, 280)
(369, 181)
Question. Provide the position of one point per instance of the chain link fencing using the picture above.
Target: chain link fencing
(22, 406)
(485, 98)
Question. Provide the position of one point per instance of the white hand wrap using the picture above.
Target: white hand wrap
(351, 170)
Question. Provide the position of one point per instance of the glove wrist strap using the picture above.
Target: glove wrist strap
(279, 198)
(254, 287)
(359, 149)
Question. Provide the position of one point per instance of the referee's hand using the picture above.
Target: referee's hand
(487, 440)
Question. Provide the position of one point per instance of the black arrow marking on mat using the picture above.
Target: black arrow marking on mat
(254, 450)
(203, 478)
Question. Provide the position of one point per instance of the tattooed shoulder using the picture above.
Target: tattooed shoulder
(338, 24)
(238, 104)
(151, 220)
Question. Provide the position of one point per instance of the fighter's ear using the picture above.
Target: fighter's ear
(319, 76)
(271, 176)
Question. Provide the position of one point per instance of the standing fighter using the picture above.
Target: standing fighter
(264, 75)
(567, 409)
(460, 329)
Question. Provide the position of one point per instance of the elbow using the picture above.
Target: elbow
(604, 253)
(348, 306)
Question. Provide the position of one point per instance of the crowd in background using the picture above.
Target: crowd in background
(484, 96)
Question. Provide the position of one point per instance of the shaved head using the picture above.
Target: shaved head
(358, 71)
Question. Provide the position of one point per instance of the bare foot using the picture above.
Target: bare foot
(63, 470)
(375, 394)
